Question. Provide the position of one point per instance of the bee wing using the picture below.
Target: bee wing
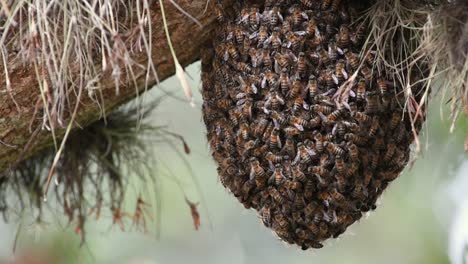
(252, 174)
(298, 126)
(264, 82)
(253, 35)
(226, 55)
(254, 88)
(300, 33)
(279, 143)
(345, 74)
(311, 152)
(297, 158)
(272, 167)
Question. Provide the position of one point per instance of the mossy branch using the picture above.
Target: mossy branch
(27, 86)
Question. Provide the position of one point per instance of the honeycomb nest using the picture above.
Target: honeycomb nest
(310, 164)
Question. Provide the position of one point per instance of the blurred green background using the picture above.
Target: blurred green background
(412, 224)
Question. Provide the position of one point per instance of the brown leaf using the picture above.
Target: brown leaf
(194, 212)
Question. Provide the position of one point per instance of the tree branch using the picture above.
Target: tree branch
(18, 106)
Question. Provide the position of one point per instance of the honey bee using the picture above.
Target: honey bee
(299, 104)
(367, 177)
(336, 195)
(274, 100)
(324, 109)
(335, 115)
(324, 58)
(286, 26)
(298, 16)
(298, 174)
(291, 132)
(232, 51)
(223, 103)
(273, 157)
(374, 127)
(353, 151)
(362, 118)
(379, 144)
(244, 130)
(275, 140)
(239, 35)
(334, 51)
(299, 202)
(254, 18)
(326, 4)
(328, 78)
(298, 122)
(319, 170)
(391, 147)
(312, 87)
(296, 89)
(267, 133)
(275, 16)
(341, 182)
(356, 139)
(268, 78)
(260, 127)
(248, 187)
(372, 102)
(319, 144)
(255, 169)
(278, 118)
(335, 5)
(261, 35)
(282, 61)
(260, 151)
(334, 149)
(294, 41)
(351, 170)
(352, 60)
(309, 189)
(395, 120)
(360, 34)
(266, 60)
(343, 37)
(301, 64)
(361, 90)
(382, 84)
(312, 29)
(284, 81)
(274, 39)
(265, 213)
(289, 147)
(278, 175)
(340, 165)
(249, 145)
(315, 122)
(367, 73)
(276, 196)
(243, 67)
(246, 108)
(219, 13)
(248, 88)
(304, 154)
(307, 3)
(340, 71)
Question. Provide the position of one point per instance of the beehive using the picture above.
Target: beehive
(303, 129)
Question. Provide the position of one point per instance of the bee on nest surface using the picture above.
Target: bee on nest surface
(310, 164)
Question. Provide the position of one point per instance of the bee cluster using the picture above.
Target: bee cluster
(309, 165)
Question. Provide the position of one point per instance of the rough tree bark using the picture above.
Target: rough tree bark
(17, 141)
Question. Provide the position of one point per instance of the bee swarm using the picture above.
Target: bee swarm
(310, 164)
